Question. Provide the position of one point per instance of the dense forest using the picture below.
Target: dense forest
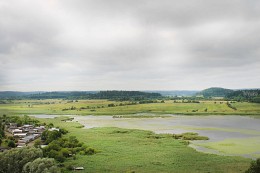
(124, 95)
(111, 95)
(250, 95)
(245, 95)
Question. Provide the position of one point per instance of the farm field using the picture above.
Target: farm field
(125, 150)
(100, 107)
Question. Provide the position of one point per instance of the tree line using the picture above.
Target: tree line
(111, 95)
(245, 95)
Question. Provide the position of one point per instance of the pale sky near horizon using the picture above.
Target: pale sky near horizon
(51, 45)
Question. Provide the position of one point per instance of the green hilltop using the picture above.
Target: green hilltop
(215, 92)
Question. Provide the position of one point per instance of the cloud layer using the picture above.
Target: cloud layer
(129, 44)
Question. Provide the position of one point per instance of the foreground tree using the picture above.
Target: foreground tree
(41, 165)
(14, 160)
(254, 167)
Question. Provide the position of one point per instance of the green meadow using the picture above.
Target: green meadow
(100, 107)
(125, 150)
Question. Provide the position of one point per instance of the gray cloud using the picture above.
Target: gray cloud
(129, 44)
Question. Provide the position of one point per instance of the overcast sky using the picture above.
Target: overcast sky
(48, 45)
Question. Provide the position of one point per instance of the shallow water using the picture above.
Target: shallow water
(217, 128)
(44, 116)
(227, 126)
(48, 116)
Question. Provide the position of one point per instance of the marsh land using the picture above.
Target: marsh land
(138, 137)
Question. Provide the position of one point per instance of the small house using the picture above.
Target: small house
(17, 131)
(78, 168)
(52, 129)
(20, 135)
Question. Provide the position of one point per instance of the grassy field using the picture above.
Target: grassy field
(100, 107)
(123, 150)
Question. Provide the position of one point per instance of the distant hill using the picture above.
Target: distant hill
(251, 95)
(215, 92)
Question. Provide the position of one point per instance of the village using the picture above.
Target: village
(26, 134)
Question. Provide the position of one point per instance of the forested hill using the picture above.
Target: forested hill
(215, 92)
(245, 95)
(112, 95)
(250, 95)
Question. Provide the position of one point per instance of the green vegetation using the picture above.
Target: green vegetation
(18, 160)
(49, 136)
(112, 95)
(231, 106)
(41, 165)
(215, 92)
(58, 147)
(125, 150)
(250, 95)
(100, 107)
(64, 147)
(254, 167)
(190, 136)
(245, 95)
(244, 146)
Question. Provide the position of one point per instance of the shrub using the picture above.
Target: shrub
(254, 167)
(89, 151)
(11, 144)
(69, 167)
(190, 136)
(41, 165)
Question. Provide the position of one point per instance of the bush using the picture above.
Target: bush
(41, 165)
(11, 144)
(190, 136)
(62, 148)
(254, 167)
(69, 167)
(89, 151)
(37, 143)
